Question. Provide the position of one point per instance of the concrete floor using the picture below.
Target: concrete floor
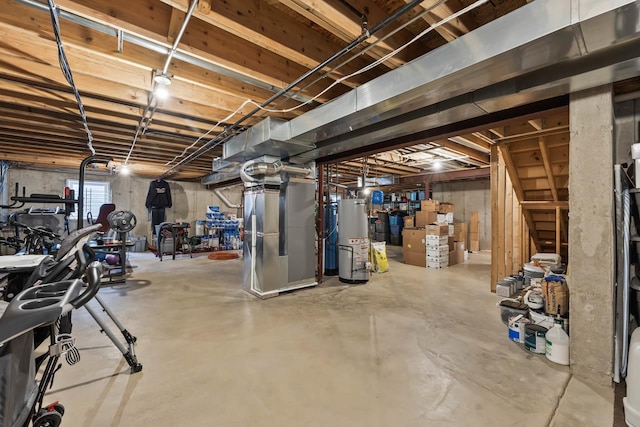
(413, 347)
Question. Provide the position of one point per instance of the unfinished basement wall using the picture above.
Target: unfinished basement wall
(190, 199)
(468, 196)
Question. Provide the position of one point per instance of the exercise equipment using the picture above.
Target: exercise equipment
(121, 222)
(21, 400)
(29, 270)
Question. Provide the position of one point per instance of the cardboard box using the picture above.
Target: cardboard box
(409, 222)
(437, 251)
(425, 217)
(436, 242)
(453, 257)
(437, 229)
(433, 264)
(451, 230)
(413, 239)
(474, 246)
(430, 205)
(460, 232)
(414, 258)
(475, 222)
(450, 241)
(440, 258)
(446, 208)
(448, 218)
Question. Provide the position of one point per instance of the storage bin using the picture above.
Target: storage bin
(139, 244)
(511, 308)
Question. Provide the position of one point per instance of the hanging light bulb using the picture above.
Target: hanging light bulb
(161, 92)
(437, 165)
(124, 169)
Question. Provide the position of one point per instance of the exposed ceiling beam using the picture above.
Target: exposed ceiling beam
(261, 24)
(464, 174)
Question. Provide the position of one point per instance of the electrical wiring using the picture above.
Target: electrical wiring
(66, 72)
(152, 101)
(206, 147)
(4, 167)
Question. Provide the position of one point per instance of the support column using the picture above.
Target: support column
(591, 234)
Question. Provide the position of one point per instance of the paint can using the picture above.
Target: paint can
(548, 321)
(534, 338)
(516, 328)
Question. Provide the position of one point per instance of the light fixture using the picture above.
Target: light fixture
(124, 169)
(162, 78)
(437, 165)
(161, 92)
(366, 191)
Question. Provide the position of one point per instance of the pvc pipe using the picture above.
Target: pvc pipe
(225, 200)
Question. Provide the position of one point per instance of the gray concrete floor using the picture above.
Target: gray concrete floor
(413, 347)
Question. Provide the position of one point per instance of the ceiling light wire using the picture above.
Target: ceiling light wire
(207, 147)
(66, 72)
(144, 123)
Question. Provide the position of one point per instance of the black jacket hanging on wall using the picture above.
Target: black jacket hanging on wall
(159, 195)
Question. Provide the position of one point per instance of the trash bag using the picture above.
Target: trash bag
(380, 261)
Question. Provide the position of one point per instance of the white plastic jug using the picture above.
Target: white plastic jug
(557, 345)
(632, 400)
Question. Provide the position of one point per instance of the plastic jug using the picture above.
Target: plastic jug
(632, 400)
(557, 345)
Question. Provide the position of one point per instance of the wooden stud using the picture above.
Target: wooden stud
(517, 236)
(501, 218)
(547, 167)
(494, 217)
(544, 205)
(508, 222)
(558, 231)
(512, 170)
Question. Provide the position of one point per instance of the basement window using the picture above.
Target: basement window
(96, 194)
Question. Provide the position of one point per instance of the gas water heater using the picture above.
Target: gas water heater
(353, 241)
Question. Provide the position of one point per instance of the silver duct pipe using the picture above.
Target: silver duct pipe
(255, 167)
(225, 200)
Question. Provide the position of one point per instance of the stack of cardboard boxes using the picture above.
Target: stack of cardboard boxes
(414, 247)
(437, 238)
(432, 239)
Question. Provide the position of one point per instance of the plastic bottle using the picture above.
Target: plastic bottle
(557, 345)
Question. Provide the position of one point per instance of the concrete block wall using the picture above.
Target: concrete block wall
(468, 196)
(190, 199)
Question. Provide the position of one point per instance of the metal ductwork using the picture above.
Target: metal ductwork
(270, 137)
(540, 51)
(259, 167)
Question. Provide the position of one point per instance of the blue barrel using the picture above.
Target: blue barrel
(377, 197)
(331, 242)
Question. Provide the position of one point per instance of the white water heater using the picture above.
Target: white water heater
(353, 241)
